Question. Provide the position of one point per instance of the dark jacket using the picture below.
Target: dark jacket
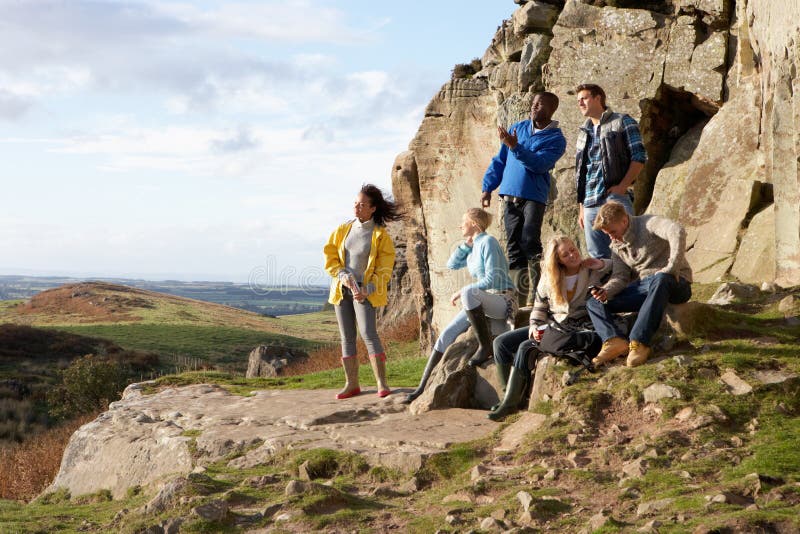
(615, 151)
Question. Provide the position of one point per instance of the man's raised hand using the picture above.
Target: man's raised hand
(508, 139)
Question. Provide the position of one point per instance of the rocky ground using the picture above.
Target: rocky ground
(703, 438)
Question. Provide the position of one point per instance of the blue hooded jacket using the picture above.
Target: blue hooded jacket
(525, 171)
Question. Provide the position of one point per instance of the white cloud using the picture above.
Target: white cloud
(285, 20)
(186, 135)
(13, 106)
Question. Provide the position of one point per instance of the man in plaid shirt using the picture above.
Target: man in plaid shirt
(609, 157)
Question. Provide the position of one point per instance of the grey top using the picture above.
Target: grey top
(651, 245)
(357, 245)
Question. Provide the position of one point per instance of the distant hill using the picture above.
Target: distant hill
(176, 328)
(105, 303)
(266, 300)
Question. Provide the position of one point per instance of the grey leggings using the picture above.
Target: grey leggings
(348, 313)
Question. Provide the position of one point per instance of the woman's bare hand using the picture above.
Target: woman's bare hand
(592, 263)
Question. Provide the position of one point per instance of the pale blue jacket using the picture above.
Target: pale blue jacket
(486, 262)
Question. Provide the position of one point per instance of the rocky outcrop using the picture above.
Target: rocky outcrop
(447, 153)
(452, 382)
(272, 360)
(142, 439)
(713, 84)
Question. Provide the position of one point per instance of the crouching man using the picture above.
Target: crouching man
(649, 270)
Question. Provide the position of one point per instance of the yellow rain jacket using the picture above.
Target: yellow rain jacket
(379, 265)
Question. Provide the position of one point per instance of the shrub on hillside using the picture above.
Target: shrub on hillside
(18, 418)
(21, 341)
(88, 385)
(466, 70)
(28, 467)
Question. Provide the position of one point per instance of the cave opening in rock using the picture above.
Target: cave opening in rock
(665, 119)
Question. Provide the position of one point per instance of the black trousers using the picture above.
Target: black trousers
(523, 220)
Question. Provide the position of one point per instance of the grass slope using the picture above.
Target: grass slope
(183, 331)
(740, 447)
(95, 303)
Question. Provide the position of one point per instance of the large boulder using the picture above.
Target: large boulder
(535, 52)
(411, 293)
(696, 68)
(143, 439)
(272, 360)
(773, 33)
(546, 382)
(451, 150)
(721, 187)
(755, 259)
(452, 382)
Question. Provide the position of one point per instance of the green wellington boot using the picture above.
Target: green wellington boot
(514, 390)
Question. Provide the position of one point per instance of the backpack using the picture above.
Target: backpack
(573, 342)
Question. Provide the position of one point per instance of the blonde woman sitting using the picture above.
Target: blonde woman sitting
(559, 321)
(491, 296)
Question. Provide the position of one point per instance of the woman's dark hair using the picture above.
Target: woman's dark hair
(385, 210)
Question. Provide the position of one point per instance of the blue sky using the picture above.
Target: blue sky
(209, 140)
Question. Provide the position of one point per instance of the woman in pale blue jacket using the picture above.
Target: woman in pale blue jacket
(491, 296)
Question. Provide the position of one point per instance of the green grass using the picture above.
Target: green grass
(775, 451)
(403, 372)
(212, 344)
(61, 514)
(317, 326)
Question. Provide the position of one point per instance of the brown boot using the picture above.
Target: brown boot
(612, 349)
(638, 354)
(351, 388)
(378, 362)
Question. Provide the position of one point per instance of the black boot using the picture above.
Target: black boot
(502, 370)
(481, 326)
(534, 274)
(433, 360)
(514, 389)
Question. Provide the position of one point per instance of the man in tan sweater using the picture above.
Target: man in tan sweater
(649, 271)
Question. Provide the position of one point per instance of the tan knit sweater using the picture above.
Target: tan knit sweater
(651, 245)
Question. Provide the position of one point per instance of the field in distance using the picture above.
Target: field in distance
(267, 300)
(175, 327)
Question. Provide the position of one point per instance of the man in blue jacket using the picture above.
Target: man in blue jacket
(521, 169)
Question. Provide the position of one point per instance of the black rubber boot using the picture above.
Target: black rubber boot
(502, 370)
(534, 274)
(433, 361)
(521, 280)
(516, 385)
(481, 326)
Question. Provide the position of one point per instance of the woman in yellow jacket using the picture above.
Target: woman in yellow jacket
(359, 256)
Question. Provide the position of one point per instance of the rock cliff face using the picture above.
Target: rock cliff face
(712, 83)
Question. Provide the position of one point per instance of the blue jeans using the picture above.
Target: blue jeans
(648, 296)
(598, 244)
(514, 346)
(523, 220)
